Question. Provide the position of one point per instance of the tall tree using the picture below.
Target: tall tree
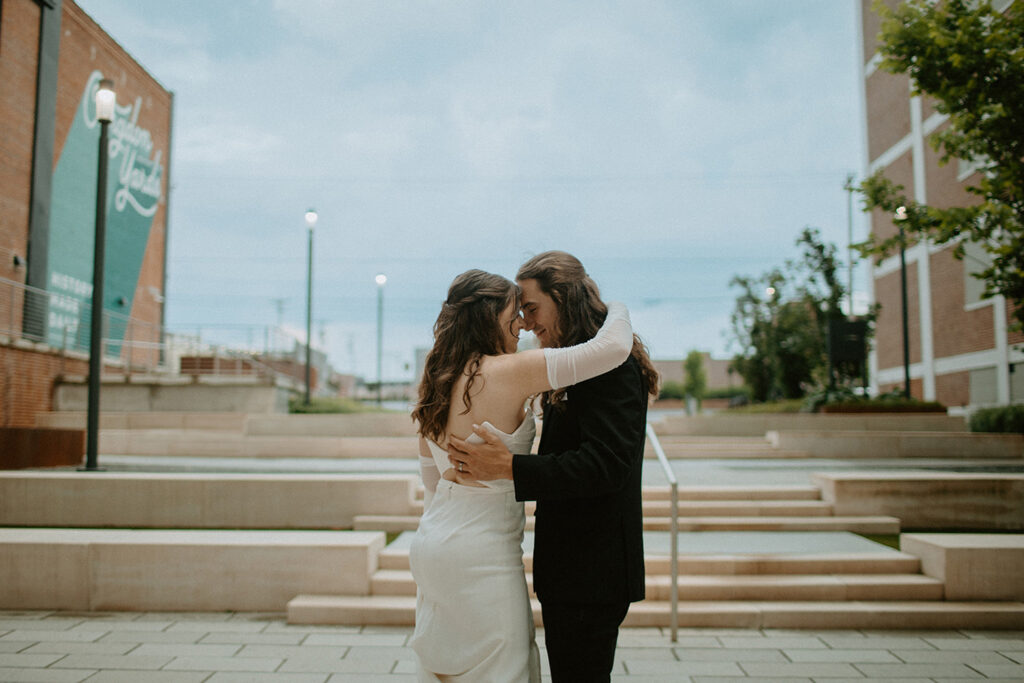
(782, 322)
(776, 336)
(969, 59)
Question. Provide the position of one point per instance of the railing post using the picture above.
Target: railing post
(666, 466)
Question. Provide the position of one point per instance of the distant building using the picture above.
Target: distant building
(961, 351)
(715, 369)
(52, 57)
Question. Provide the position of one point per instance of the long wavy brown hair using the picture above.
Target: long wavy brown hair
(467, 329)
(581, 312)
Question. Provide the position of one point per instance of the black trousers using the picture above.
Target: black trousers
(580, 639)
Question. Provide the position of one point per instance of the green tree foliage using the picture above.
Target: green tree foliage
(780, 322)
(695, 382)
(774, 336)
(969, 58)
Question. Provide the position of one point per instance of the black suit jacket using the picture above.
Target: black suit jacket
(588, 543)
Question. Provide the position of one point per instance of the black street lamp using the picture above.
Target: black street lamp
(105, 101)
(380, 280)
(311, 217)
(901, 216)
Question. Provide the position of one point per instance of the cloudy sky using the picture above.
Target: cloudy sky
(669, 144)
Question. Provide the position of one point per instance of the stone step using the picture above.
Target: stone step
(401, 610)
(743, 493)
(862, 525)
(718, 493)
(721, 508)
(885, 563)
(727, 452)
(739, 587)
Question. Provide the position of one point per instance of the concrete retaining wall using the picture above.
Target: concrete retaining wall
(258, 424)
(220, 396)
(199, 501)
(757, 425)
(927, 500)
(354, 424)
(69, 419)
(898, 444)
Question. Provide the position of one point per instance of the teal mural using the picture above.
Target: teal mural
(134, 188)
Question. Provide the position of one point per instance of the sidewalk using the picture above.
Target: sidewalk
(131, 647)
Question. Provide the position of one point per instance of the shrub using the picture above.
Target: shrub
(672, 390)
(727, 392)
(884, 406)
(791, 405)
(844, 400)
(1003, 419)
(321, 405)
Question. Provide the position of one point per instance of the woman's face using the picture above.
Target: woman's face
(510, 323)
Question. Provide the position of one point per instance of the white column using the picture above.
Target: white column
(924, 287)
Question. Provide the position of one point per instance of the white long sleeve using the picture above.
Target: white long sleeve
(430, 476)
(608, 349)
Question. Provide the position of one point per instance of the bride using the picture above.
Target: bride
(474, 621)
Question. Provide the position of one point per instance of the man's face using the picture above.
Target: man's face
(540, 313)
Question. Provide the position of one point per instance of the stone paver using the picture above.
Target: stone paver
(235, 648)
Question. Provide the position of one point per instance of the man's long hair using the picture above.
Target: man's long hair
(467, 328)
(581, 312)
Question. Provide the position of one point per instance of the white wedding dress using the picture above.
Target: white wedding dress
(474, 622)
(473, 616)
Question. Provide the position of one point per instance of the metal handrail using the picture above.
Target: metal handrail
(673, 530)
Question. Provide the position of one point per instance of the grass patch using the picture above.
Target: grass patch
(891, 540)
(787, 406)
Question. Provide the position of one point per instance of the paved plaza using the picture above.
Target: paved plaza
(254, 648)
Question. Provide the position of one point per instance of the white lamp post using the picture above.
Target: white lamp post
(311, 217)
(901, 217)
(381, 279)
(105, 101)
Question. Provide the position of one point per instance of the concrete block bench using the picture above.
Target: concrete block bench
(898, 444)
(929, 500)
(206, 570)
(200, 500)
(972, 566)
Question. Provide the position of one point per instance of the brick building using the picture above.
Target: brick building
(961, 351)
(52, 56)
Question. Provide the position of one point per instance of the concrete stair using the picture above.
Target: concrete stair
(883, 589)
(400, 611)
(795, 587)
(722, 447)
(718, 508)
(873, 587)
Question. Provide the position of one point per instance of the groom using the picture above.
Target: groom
(588, 558)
